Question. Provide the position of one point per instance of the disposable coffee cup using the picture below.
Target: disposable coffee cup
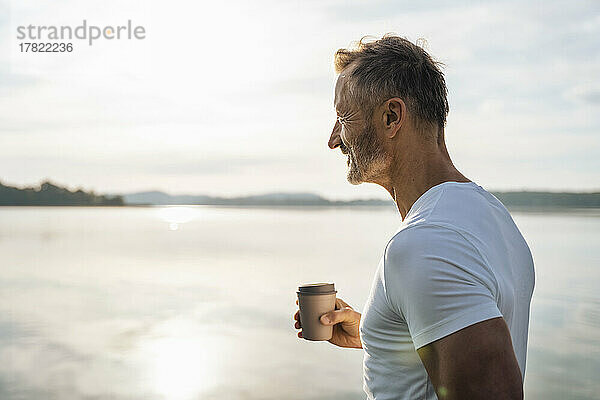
(314, 300)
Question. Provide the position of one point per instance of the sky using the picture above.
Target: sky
(236, 98)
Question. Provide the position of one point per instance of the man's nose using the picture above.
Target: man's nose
(335, 140)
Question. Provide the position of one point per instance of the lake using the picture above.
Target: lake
(197, 302)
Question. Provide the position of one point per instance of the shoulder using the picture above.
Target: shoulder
(424, 240)
(424, 253)
(460, 206)
(437, 281)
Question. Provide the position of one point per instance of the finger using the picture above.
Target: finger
(297, 315)
(337, 316)
(296, 301)
(297, 325)
(300, 334)
(339, 304)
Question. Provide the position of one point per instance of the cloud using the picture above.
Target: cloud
(589, 94)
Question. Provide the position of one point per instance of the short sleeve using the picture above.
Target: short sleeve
(438, 282)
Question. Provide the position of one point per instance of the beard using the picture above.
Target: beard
(366, 158)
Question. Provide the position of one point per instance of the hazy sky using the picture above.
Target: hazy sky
(236, 97)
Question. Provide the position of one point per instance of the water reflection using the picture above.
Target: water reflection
(176, 215)
(182, 362)
(117, 307)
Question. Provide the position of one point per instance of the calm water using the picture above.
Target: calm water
(196, 302)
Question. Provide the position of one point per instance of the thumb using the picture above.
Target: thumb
(336, 316)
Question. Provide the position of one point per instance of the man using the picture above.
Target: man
(448, 312)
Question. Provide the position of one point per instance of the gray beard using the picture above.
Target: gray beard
(367, 157)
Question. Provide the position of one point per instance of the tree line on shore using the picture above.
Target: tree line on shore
(49, 194)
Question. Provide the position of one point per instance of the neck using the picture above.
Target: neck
(417, 171)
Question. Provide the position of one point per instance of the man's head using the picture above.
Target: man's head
(383, 87)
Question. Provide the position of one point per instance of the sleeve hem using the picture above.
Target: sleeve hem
(456, 323)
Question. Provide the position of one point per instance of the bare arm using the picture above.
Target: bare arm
(477, 362)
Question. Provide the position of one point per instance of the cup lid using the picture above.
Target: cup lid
(317, 288)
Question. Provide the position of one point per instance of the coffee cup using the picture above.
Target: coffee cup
(314, 300)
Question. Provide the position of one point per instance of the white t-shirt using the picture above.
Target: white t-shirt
(457, 259)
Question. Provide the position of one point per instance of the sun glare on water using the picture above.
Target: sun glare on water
(181, 368)
(177, 215)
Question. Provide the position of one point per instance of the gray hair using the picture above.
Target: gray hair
(395, 67)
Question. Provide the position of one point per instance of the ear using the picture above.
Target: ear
(394, 115)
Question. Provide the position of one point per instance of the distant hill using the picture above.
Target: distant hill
(162, 198)
(522, 199)
(269, 199)
(48, 194)
(549, 199)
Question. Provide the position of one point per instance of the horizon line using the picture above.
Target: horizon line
(250, 194)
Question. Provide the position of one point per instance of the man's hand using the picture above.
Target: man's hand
(477, 362)
(345, 323)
